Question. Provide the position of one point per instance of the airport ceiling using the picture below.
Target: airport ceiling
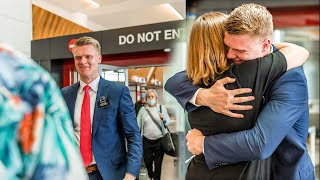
(98, 15)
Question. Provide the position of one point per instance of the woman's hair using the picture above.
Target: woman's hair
(207, 54)
(154, 92)
(87, 41)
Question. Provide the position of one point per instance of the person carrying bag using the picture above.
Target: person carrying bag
(152, 124)
(169, 140)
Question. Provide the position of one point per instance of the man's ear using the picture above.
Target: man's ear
(266, 43)
(100, 59)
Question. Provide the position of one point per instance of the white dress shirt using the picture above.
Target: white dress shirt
(77, 110)
(193, 99)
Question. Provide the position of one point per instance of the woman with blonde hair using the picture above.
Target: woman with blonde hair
(151, 120)
(207, 63)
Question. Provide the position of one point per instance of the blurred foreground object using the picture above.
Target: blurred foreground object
(35, 126)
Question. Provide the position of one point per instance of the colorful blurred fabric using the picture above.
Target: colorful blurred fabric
(36, 132)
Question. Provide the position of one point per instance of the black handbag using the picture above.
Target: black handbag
(169, 141)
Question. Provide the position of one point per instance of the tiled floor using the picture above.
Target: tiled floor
(169, 169)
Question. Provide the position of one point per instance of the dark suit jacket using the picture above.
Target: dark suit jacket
(111, 126)
(281, 129)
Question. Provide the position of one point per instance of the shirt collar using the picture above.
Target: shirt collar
(93, 85)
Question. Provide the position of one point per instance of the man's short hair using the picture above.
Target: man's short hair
(87, 41)
(251, 19)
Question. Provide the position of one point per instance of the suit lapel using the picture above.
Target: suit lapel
(72, 99)
(103, 90)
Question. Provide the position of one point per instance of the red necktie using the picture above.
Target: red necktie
(85, 128)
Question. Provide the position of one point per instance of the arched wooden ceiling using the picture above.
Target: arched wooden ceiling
(47, 25)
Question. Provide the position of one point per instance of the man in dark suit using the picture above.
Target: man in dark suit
(282, 126)
(104, 118)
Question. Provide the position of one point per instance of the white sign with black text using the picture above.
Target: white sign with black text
(146, 37)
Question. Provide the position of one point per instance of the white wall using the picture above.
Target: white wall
(16, 24)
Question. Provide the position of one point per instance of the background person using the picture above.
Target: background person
(152, 133)
(138, 105)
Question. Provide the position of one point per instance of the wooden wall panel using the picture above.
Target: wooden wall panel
(143, 72)
(47, 25)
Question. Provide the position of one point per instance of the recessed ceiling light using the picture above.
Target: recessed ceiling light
(94, 4)
(172, 9)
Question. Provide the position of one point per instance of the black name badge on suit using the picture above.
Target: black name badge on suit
(103, 102)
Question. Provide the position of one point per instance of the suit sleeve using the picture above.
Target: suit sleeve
(131, 132)
(180, 87)
(288, 97)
